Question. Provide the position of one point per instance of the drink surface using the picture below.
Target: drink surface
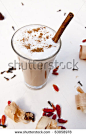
(35, 42)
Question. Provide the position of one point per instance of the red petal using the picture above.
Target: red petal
(0, 121)
(48, 110)
(84, 40)
(58, 109)
(62, 121)
(9, 102)
(54, 117)
(54, 70)
(55, 87)
(55, 73)
(62, 127)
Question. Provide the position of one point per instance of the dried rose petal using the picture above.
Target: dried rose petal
(3, 119)
(47, 114)
(62, 121)
(0, 121)
(54, 117)
(58, 109)
(55, 87)
(55, 73)
(9, 102)
(62, 127)
(48, 110)
(84, 40)
(54, 70)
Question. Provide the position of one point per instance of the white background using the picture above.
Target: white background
(44, 12)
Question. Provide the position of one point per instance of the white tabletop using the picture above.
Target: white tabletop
(44, 12)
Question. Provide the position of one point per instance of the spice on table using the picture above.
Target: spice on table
(54, 70)
(9, 102)
(62, 127)
(55, 73)
(52, 105)
(22, 4)
(62, 121)
(10, 70)
(84, 40)
(6, 78)
(80, 83)
(75, 69)
(59, 10)
(0, 121)
(13, 76)
(3, 119)
(2, 72)
(58, 109)
(55, 87)
(13, 28)
(64, 14)
(54, 117)
(1, 16)
(79, 89)
(48, 110)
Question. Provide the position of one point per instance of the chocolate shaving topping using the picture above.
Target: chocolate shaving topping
(1, 16)
(37, 50)
(6, 78)
(80, 83)
(13, 76)
(85, 27)
(29, 116)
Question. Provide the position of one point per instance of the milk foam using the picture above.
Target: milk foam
(27, 35)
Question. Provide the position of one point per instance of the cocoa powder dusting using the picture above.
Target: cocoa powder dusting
(47, 37)
(36, 30)
(29, 31)
(24, 39)
(38, 41)
(27, 46)
(40, 36)
(48, 46)
(37, 50)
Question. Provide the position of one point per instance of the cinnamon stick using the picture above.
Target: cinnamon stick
(62, 27)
